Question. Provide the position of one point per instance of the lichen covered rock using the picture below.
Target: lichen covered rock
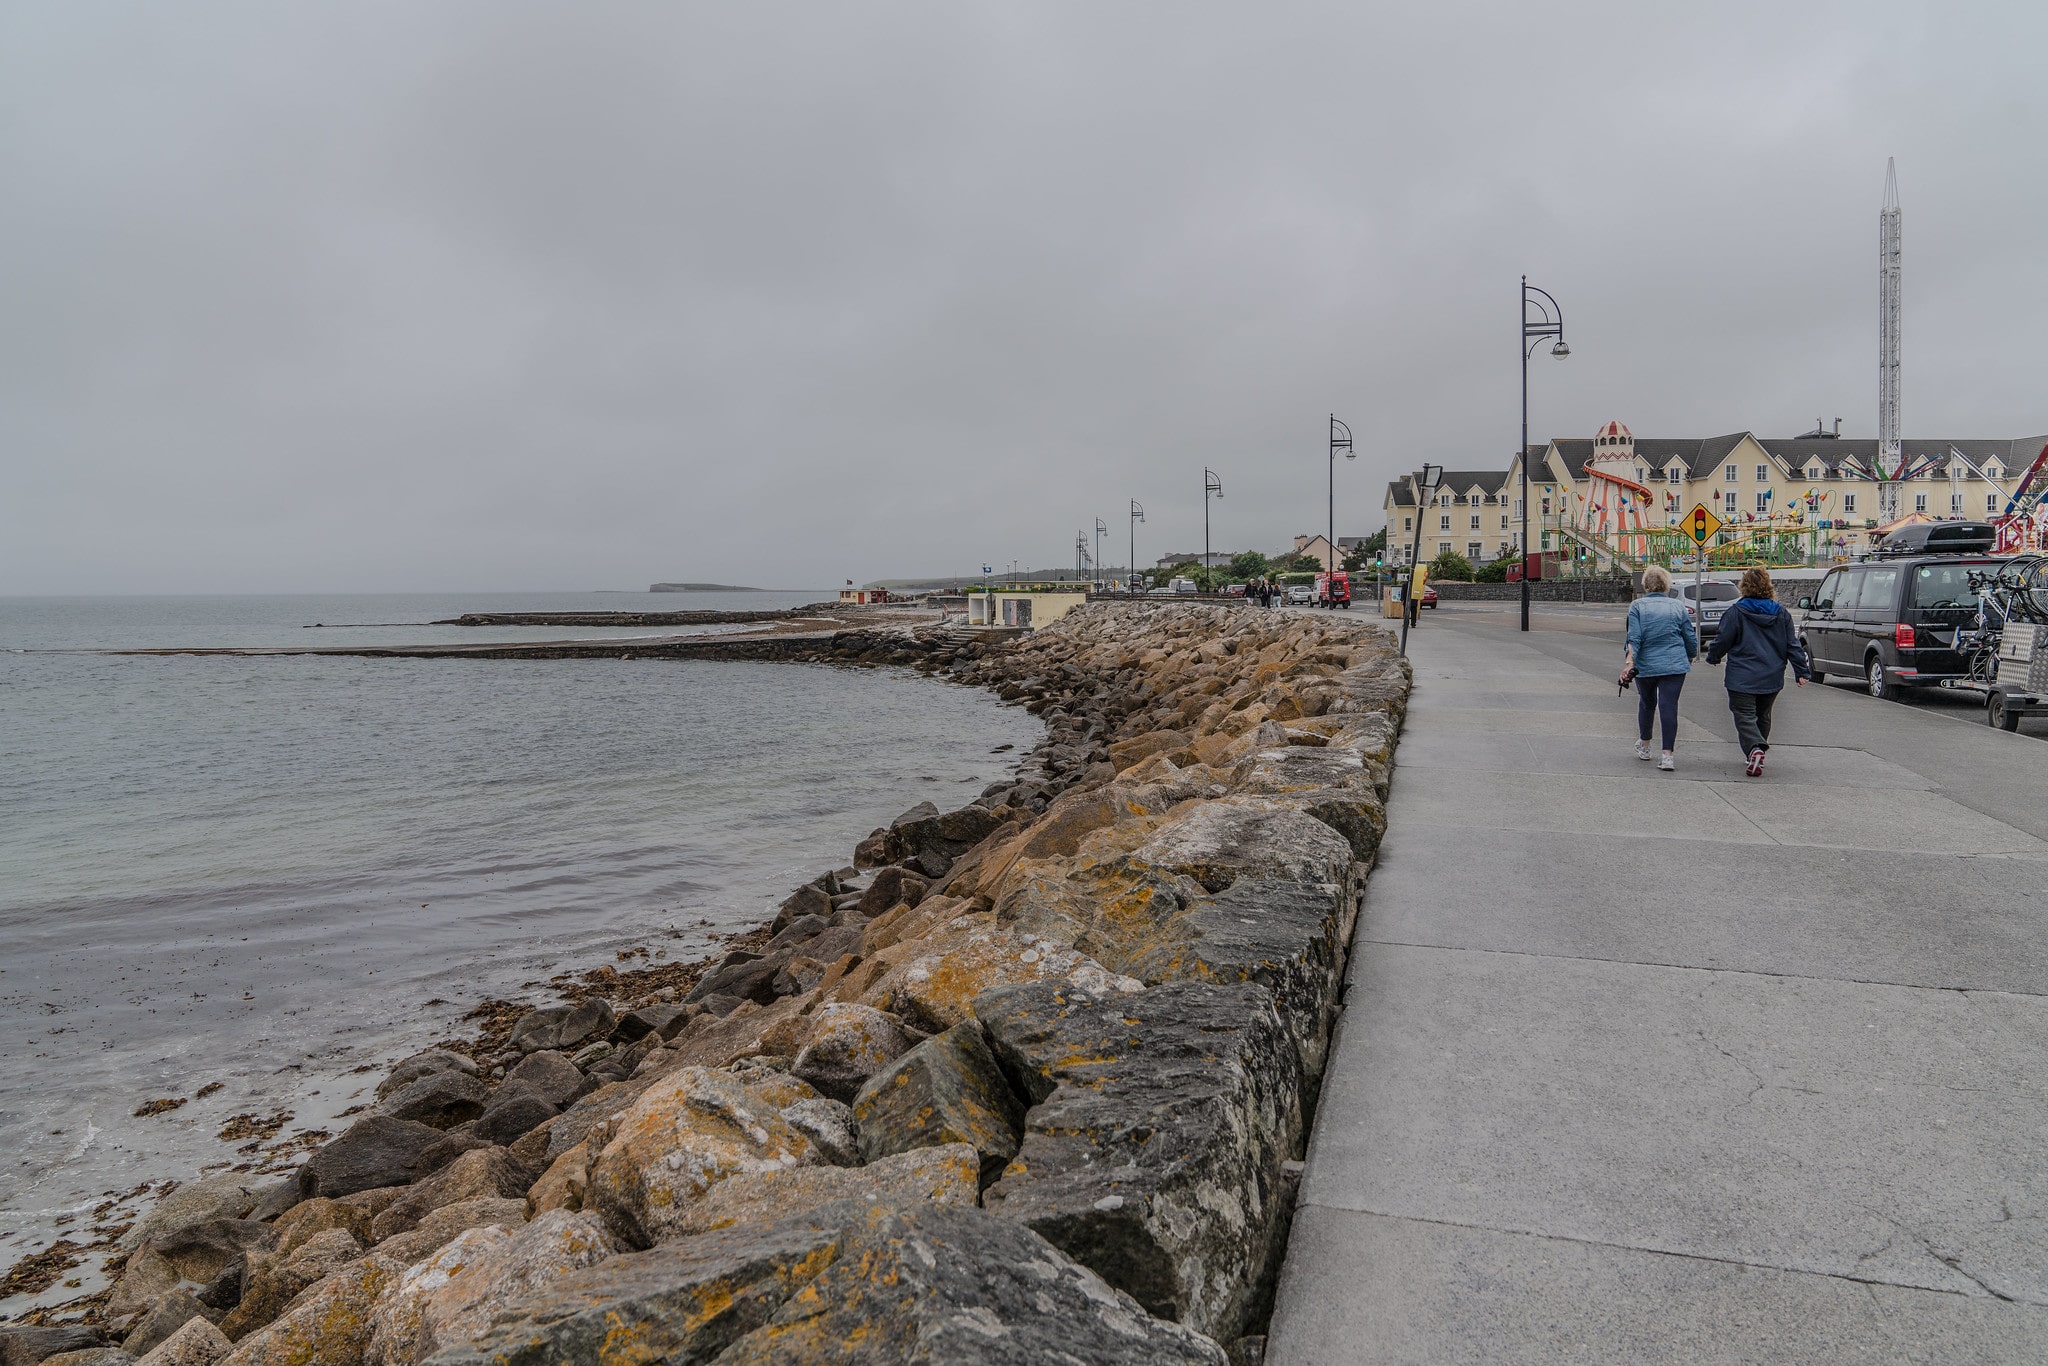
(946, 1090)
(687, 1132)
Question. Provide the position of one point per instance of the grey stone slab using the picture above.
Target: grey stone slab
(1454, 803)
(1699, 757)
(1891, 1134)
(1977, 923)
(1841, 818)
(1360, 1288)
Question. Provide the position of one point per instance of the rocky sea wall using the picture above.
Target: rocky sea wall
(1027, 1081)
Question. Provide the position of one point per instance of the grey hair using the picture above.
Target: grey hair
(1656, 579)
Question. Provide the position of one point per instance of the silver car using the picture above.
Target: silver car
(1714, 596)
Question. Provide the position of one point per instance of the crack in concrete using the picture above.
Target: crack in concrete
(1756, 1078)
(1952, 1260)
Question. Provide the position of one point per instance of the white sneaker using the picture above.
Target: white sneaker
(1666, 763)
(1643, 750)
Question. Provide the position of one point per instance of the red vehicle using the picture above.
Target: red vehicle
(1333, 590)
(1428, 596)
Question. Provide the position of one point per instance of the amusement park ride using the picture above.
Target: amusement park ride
(1618, 521)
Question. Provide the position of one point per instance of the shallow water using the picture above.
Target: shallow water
(264, 872)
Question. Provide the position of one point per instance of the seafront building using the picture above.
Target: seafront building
(1618, 498)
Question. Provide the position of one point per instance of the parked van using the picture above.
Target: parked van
(1891, 623)
(1333, 590)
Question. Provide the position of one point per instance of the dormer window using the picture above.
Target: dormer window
(1676, 474)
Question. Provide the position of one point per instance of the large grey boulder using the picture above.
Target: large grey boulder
(440, 1100)
(196, 1343)
(563, 1028)
(848, 1044)
(962, 1287)
(377, 1150)
(217, 1197)
(549, 1075)
(948, 1089)
(424, 1064)
(171, 1312)
(514, 1112)
(1153, 1149)
(1289, 937)
(27, 1346)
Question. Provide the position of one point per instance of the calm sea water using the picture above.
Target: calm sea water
(260, 871)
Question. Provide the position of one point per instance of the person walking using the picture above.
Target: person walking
(1757, 640)
(1662, 644)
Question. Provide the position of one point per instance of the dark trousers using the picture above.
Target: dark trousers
(1752, 718)
(1658, 697)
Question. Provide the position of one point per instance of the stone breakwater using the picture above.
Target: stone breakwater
(1027, 1081)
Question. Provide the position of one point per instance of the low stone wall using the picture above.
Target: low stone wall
(1029, 1082)
(1543, 590)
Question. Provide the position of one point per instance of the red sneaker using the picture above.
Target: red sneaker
(1756, 763)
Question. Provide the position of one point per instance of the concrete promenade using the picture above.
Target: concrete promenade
(1645, 1067)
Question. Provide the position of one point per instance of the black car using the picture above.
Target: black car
(1892, 622)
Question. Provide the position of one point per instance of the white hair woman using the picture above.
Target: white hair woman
(1662, 644)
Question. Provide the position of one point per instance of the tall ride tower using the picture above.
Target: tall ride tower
(1891, 457)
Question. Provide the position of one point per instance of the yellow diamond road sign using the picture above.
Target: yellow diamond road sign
(1700, 524)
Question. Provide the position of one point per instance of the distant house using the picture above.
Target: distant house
(1316, 548)
(863, 596)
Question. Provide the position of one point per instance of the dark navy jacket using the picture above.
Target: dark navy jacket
(1757, 640)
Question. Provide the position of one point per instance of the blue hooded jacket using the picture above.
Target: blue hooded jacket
(1757, 640)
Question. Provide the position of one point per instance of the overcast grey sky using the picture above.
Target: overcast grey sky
(495, 295)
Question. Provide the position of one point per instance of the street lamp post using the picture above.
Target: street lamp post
(1210, 484)
(1411, 601)
(1340, 439)
(1100, 527)
(1137, 516)
(1548, 322)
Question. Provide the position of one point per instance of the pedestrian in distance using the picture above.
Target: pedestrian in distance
(1757, 640)
(1662, 644)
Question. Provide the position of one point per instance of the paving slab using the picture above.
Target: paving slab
(1961, 924)
(1646, 1067)
(1420, 1293)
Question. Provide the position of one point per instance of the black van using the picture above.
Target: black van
(1892, 622)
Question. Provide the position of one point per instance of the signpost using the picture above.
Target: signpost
(1700, 524)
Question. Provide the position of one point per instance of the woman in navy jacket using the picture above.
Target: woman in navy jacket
(1757, 640)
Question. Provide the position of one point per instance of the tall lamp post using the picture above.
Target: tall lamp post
(1210, 484)
(1137, 516)
(1100, 527)
(1548, 322)
(1340, 439)
(1411, 601)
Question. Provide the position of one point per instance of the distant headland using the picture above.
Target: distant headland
(703, 588)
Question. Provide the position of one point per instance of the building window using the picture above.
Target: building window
(1991, 502)
(1518, 507)
(1503, 521)
(1546, 507)
(1443, 547)
(1407, 524)
(1444, 522)
(1848, 502)
(1730, 474)
(1675, 475)
(1919, 502)
(1763, 500)
(1475, 521)
(1642, 475)
(1475, 551)
(1763, 474)
(1955, 504)
(1728, 500)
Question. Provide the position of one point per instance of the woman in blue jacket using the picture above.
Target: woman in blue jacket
(1757, 640)
(1662, 644)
